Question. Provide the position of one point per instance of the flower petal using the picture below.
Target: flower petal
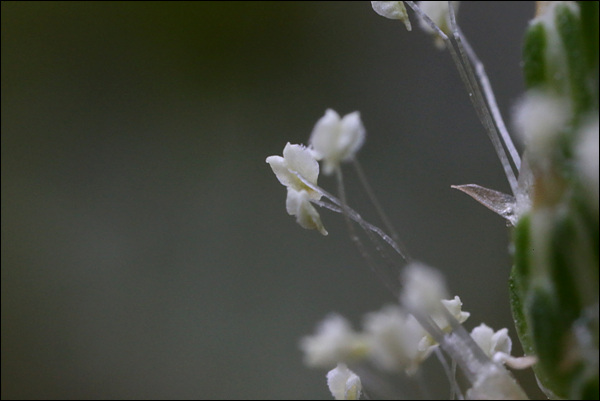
(301, 160)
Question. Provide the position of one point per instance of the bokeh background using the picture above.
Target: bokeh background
(146, 251)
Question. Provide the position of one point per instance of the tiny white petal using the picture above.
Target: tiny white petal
(324, 135)
(298, 204)
(353, 134)
(343, 383)
(280, 169)
(300, 159)
(392, 10)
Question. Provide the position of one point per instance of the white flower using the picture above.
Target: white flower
(335, 140)
(334, 341)
(424, 288)
(300, 160)
(343, 383)
(498, 345)
(539, 118)
(438, 12)
(392, 10)
(490, 342)
(298, 204)
(393, 338)
(454, 306)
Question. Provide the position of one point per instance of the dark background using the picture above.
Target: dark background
(146, 251)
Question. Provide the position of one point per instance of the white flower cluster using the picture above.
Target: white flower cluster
(394, 340)
(333, 140)
(400, 337)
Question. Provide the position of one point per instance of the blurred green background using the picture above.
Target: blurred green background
(146, 251)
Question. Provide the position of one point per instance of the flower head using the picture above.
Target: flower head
(439, 13)
(393, 338)
(335, 140)
(296, 160)
(454, 307)
(392, 10)
(492, 342)
(334, 342)
(424, 288)
(343, 383)
(498, 345)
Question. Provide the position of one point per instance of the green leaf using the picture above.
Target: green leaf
(534, 58)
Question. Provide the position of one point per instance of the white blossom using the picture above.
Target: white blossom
(392, 10)
(296, 159)
(335, 140)
(492, 342)
(298, 204)
(334, 342)
(438, 12)
(393, 338)
(424, 288)
(539, 118)
(498, 345)
(343, 383)
(454, 307)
